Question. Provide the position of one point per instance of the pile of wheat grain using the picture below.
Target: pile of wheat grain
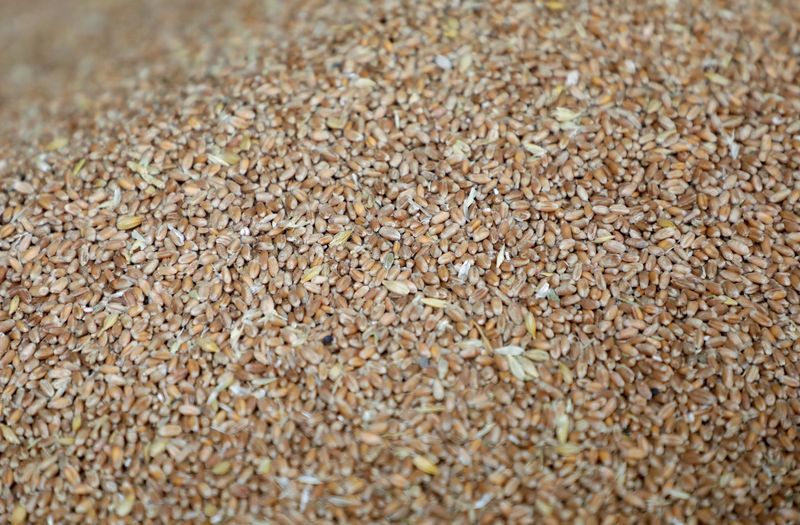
(407, 262)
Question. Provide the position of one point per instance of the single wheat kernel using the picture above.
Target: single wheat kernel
(128, 222)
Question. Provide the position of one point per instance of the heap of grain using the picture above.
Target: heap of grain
(416, 262)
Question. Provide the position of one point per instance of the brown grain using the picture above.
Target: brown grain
(415, 262)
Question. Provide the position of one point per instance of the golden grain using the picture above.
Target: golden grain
(397, 287)
(425, 465)
(128, 222)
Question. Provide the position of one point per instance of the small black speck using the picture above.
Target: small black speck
(654, 392)
(327, 340)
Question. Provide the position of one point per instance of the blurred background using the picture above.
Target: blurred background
(51, 48)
